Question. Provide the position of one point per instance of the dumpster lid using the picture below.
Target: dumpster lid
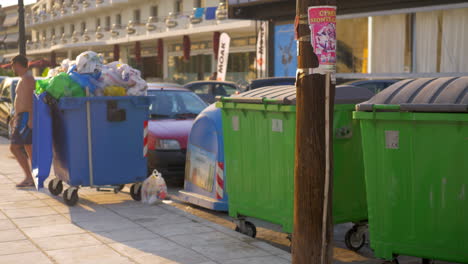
(447, 94)
(286, 95)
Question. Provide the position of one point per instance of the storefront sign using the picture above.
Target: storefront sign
(223, 54)
(261, 51)
(201, 167)
(322, 22)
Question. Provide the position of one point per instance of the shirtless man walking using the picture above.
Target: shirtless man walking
(21, 123)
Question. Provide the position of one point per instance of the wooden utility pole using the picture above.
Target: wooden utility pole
(313, 228)
(22, 30)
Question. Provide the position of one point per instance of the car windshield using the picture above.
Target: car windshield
(175, 104)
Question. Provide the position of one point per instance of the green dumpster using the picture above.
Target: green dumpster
(259, 130)
(415, 149)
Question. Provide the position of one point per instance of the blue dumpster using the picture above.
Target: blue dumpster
(204, 169)
(99, 142)
(42, 140)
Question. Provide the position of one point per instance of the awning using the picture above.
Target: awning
(11, 20)
(5, 66)
(39, 63)
(11, 38)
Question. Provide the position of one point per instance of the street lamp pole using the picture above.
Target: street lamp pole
(22, 30)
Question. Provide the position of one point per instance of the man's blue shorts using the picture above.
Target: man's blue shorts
(20, 133)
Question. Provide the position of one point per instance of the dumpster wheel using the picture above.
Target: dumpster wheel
(354, 239)
(136, 194)
(250, 229)
(70, 196)
(119, 188)
(55, 187)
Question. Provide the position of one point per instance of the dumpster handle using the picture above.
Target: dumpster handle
(385, 107)
(90, 143)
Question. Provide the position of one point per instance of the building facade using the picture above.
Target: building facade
(146, 34)
(9, 31)
(375, 39)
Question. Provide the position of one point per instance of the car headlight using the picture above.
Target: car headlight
(167, 144)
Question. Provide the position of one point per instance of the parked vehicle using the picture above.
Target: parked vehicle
(375, 85)
(208, 90)
(7, 95)
(273, 81)
(172, 111)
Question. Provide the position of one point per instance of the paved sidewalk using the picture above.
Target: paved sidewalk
(36, 227)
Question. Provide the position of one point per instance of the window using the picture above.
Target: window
(108, 22)
(52, 31)
(72, 28)
(118, 20)
(154, 11)
(352, 42)
(98, 22)
(201, 89)
(179, 7)
(44, 34)
(38, 35)
(136, 16)
(62, 30)
(83, 27)
(198, 3)
(224, 90)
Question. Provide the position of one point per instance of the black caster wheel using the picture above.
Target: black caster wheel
(136, 194)
(427, 261)
(119, 188)
(353, 240)
(57, 190)
(73, 197)
(250, 229)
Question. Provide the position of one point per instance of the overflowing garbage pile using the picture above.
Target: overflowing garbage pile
(89, 76)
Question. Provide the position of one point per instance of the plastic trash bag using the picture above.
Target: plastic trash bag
(154, 188)
(89, 62)
(63, 86)
(41, 85)
(86, 80)
(114, 91)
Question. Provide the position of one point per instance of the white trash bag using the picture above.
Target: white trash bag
(153, 189)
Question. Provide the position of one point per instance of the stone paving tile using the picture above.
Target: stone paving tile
(22, 204)
(165, 219)
(101, 254)
(92, 216)
(179, 229)
(52, 230)
(6, 224)
(26, 258)
(267, 247)
(11, 235)
(256, 260)
(230, 251)
(41, 221)
(2, 215)
(208, 238)
(67, 241)
(29, 212)
(124, 235)
(16, 247)
(159, 249)
(104, 224)
(146, 212)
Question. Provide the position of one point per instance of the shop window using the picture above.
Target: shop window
(352, 42)
(391, 44)
(197, 68)
(241, 66)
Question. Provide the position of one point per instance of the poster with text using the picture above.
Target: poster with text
(322, 22)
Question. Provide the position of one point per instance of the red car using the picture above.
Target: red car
(173, 110)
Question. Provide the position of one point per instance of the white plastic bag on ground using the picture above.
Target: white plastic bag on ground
(89, 62)
(153, 189)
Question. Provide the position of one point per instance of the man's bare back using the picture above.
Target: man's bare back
(24, 96)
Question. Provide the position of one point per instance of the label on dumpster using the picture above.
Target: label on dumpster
(235, 123)
(277, 125)
(392, 139)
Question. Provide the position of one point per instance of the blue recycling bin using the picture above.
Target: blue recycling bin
(204, 169)
(99, 142)
(42, 140)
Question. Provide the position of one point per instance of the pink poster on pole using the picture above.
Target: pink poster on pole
(322, 22)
